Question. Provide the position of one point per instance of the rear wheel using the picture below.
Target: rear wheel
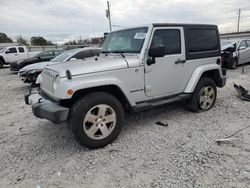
(96, 119)
(204, 95)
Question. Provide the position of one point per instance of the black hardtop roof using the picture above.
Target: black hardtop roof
(184, 25)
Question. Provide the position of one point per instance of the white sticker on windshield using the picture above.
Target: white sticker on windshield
(140, 36)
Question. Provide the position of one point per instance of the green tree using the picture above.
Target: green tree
(5, 39)
(38, 41)
(21, 40)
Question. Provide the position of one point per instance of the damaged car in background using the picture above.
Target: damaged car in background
(46, 55)
(235, 53)
(30, 73)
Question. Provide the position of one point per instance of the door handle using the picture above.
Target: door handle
(178, 61)
(16, 54)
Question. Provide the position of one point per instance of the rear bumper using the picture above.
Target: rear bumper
(46, 109)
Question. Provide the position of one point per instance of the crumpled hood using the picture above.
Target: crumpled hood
(224, 47)
(90, 65)
(36, 66)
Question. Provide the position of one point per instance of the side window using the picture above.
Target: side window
(243, 44)
(83, 54)
(96, 52)
(11, 51)
(201, 40)
(248, 43)
(169, 38)
(20, 49)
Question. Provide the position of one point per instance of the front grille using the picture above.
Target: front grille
(47, 81)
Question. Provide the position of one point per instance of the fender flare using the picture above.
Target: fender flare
(197, 73)
(93, 83)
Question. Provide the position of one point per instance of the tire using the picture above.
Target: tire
(204, 95)
(233, 64)
(1, 64)
(88, 119)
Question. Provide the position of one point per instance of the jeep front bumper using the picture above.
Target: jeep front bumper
(46, 109)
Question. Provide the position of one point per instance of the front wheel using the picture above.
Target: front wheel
(233, 64)
(1, 64)
(96, 119)
(204, 95)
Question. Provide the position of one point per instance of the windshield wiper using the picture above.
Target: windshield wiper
(119, 52)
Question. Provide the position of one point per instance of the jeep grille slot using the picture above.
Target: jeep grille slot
(47, 81)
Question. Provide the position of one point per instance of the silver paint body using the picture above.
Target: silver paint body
(137, 80)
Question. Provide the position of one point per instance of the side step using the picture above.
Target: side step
(159, 102)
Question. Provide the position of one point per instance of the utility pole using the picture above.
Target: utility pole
(238, 26)
(108, 16)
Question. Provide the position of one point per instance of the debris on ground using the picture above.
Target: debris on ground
(242, 92)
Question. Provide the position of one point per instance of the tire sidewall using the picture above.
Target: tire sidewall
(194, 102)
(80, 109)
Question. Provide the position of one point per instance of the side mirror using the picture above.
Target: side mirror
(155, 51)
(7, 51)
(72, 59)
(242, 48)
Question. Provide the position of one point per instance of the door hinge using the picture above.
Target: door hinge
(148, 88)
(147, 69)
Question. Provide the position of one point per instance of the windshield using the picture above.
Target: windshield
(64, 56)
(126, 41)
(2, 50)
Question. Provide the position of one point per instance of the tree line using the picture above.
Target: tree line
(41, 41)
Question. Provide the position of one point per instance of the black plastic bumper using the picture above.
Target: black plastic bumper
(45, 109)
(14, 67)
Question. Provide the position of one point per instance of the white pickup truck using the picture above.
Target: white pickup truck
(14, 53)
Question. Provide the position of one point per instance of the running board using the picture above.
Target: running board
(159, 102)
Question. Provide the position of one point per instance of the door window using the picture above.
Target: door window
(169, 38)
(11, 51)
(21, 49)
(248, 43)
(243, 44)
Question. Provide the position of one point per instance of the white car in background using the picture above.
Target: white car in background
(29, 73)
(14, 53)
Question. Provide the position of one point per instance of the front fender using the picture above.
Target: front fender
(88, 83)
(197, 73)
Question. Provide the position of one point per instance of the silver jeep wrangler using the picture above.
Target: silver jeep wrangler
(139, 68)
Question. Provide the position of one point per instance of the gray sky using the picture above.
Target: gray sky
(63, 20)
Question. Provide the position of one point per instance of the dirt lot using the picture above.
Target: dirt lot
(37, 153)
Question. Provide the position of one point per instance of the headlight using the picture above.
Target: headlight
(56, 82)
(35, 71)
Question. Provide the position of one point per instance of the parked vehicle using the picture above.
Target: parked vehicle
(14, 53)
(139, 68)
(29, 73)
(46, 55)
(235, 53)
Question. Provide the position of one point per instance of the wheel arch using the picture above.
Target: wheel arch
(2, 59)
(212, 71)
(111, 89)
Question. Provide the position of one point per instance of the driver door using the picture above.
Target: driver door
(11, 54)
(166, 76)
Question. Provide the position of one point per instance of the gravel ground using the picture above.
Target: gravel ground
(37, 153)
